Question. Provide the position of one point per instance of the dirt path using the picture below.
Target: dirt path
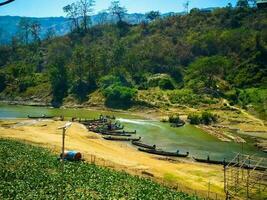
(249, 116)
(120, 156)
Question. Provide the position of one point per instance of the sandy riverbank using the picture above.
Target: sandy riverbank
(117, 155)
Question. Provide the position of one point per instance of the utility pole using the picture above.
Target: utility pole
(64, 128)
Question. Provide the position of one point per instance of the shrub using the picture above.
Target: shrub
(232, 96)
(174, 119)
(208, 118)
(119, 96)
(163, 81)
(184, 96)
(2, 81)
(166, 84)
(194, 119)
(107, 81)
(205, 118)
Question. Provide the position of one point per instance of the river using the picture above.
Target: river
(187, 138)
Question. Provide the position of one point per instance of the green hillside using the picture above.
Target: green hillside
(201, 56)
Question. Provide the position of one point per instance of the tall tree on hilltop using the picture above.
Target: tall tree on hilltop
(24, 30)
(152, 15)
(117, 10)
(35, 29)
(72, 12)
(242, 4)
(85, 9)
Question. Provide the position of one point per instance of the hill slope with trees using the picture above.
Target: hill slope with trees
(195, 58)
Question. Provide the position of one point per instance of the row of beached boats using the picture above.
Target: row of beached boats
(109, 130)
(114, 131)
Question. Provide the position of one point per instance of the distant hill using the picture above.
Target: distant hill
(9, 24)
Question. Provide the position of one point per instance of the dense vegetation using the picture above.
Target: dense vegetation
(217, 54)
(29, 172)
(205, 118)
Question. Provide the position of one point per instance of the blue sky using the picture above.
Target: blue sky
(47, 8)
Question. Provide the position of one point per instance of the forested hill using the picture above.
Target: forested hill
(217, 54)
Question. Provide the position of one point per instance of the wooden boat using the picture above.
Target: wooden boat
(40, 117)
(92, 122)
(116, 134)
(117, 127)
(210, 161)
(176, 125)
(163, 153)
(123, 132)
(140, 144)
(232, 164)
(121, 138)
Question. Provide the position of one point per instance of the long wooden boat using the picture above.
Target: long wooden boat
(40, 117)
(177, 125)
(121, 138)
(93, 122)
(116, 134)
(146, 146)
(216, 162)
(123, 132)
(244, 166)
(115, 127)
(163, 153)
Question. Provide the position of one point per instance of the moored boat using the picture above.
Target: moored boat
(123, 132)
(232, 164)
(176, 125)
(164, 153)
(140, 144)
(40, 117)
(121, 138)
(216, 162)
(116, 134)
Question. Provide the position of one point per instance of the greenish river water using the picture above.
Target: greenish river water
(187, 138)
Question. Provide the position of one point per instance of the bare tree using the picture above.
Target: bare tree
(50, 33)
(72, 12)
(85, 9)
(24, 29)
(117, 10)
(35, 29)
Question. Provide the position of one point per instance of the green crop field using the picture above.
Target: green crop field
(30, 172)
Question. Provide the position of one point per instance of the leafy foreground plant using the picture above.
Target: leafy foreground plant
(29, 172)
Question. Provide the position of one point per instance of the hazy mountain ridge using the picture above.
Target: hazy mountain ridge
(9, 24)
(60, 25)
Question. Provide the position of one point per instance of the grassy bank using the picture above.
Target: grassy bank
(30, 172)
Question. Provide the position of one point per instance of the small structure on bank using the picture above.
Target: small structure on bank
(245, 177)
